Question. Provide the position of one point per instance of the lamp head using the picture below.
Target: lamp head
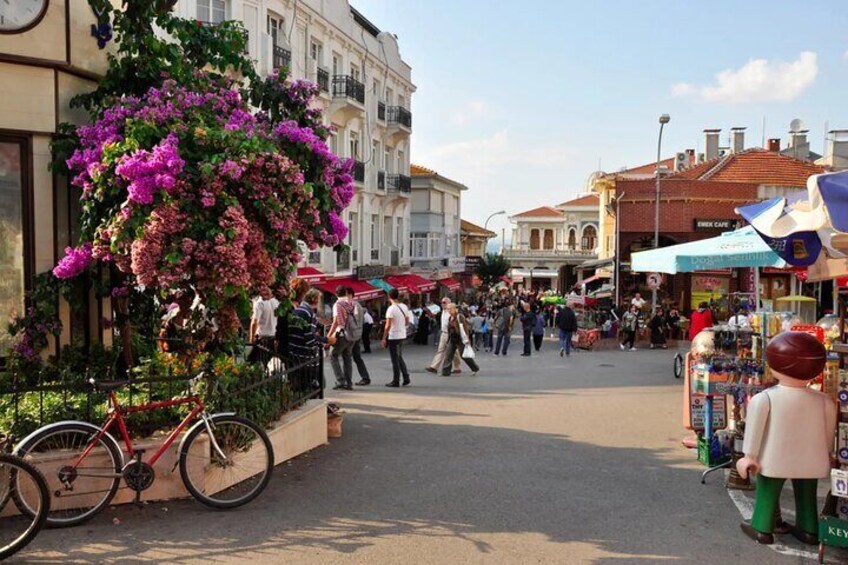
(665, 118)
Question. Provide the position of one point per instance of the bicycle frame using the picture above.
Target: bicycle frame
(118, 412)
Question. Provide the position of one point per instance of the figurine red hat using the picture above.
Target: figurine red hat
(796, 354)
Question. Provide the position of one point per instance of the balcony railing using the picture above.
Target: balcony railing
(400, 115)
(359, 171)
(282, 57)
(399, 183)
(323, 79)
(564, 252)
(381, 111)
(381, 180)
(346, 86)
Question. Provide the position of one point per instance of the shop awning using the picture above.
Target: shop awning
(590, 280)
(740, 248)
(361, 289)
(311, 275)
(451, 284)
(506, 279)
(382, 284)
(596, 263)
(414, 284)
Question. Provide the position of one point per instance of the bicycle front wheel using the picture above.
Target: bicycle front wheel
(230, 467)
(17, 530)
(80, 486)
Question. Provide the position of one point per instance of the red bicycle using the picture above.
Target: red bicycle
(225, 461)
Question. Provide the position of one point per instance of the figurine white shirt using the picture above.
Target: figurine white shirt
(791, 431)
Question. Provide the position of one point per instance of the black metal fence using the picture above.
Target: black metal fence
(400, 115)
(263, 395)
(347, 86)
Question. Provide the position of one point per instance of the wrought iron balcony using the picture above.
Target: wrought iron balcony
(282, 57)
(399, 184)
(400, 115)
(381, 111)
(345, 86)
(323, 80)
(381, 180)
(359, 171)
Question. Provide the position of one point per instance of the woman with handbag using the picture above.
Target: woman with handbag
(459, 333)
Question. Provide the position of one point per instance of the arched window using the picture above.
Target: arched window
(534, 239)
(572, 238)
(549, 239)
(590, 238)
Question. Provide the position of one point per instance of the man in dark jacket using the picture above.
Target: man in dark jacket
(528, 320)
(567, 324)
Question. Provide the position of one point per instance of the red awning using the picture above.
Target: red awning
(311, 275)
(451, 284)
(506, 279)
(412, 283)
(361, 289)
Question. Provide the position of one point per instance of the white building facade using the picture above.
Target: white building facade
(365, 92)
(434, 243)
(548, 243)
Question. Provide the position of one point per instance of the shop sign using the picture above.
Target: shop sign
(708, 224)
(472, 263)
(839, 482)
(456, 264)
(439, 274)
(367, 272)
(698, 406)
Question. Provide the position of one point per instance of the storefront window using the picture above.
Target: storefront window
(11, 238)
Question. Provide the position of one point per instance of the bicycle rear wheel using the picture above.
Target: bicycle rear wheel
(234, 479)
(78, 491)
(678, 366)
(17, 530)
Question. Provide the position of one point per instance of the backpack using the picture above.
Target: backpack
(353, 325)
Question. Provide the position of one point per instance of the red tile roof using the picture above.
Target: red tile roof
(649, 169)
(542, 211)
(585, 200)
(419, 170)
(754, 165)
(474, 229)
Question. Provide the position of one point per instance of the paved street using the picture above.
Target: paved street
(545, 460)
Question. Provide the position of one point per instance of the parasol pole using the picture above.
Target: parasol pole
(756, 289)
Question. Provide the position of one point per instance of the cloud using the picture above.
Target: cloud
(471, 111)
(758, 80)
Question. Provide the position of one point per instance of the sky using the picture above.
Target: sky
(522, 101)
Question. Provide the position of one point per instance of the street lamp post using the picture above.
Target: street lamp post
(486, 225)
(664, 119)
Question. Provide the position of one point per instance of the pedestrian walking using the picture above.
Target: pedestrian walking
(488, 331)
(504, 323)
(567, 325)
(367, 328)
(398, 317)
(528, 321)
(657, 326)
(436, 364)
(629, 327)
(341, 352)
(477, 322)
(354, 333)
(702, 318)
(672, 321)
(263, 325)
(539, 331)
(458, 340)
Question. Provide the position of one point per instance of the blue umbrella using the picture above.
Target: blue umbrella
(800, 226)
(736, 249)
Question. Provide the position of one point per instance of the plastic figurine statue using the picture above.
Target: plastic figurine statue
(789, 434)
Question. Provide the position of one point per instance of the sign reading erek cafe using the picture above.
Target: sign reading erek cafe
(708, 224)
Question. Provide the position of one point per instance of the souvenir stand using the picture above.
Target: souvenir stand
(586, 310)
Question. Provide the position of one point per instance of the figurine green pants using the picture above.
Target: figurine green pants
(768, 500)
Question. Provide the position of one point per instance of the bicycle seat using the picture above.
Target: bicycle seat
(108, 386)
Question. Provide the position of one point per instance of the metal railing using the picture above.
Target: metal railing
(400, 115)
(381, 111)
(399, 183)
(323, 80)
(381, 180)
(50, 395)
(282, 57)
(521, 252)
(348, 87)
(358, 171)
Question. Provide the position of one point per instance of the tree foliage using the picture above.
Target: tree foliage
(492, 268)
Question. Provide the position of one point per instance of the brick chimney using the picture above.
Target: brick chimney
(738, 139)
(711, 143)
(690, 154)
(774, 144)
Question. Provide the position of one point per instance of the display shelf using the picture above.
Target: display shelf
(839, 348)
